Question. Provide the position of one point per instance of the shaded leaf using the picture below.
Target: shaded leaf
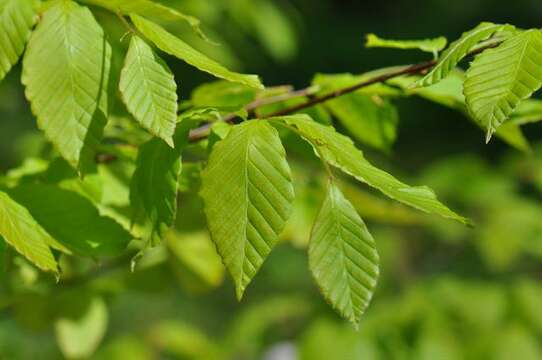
(343, 257)
(172, 45)
(66, 73)
(155, 183)
(248, 194)
(72, 220)
(149, 90)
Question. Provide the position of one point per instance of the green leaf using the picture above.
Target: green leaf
(449, 93)
(459, 49)
(528, 111)
(343, 257)
(72, 220)
(80, 337)
(149, 90)
(248, 194)
(172, 45)
(369, 119)
(20, 230)
(149, 8)
(155, 183)
(499, 79)
(222, 94)
(66, 73)
(339, 151)
(17, 18)
(432, 46)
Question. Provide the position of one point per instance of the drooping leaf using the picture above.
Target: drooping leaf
(449, 93)
(339, 151)
(172, 45)
(499, 79)
(72, 220)
(80, 337)
(154, 186)
(66, 73)
(342, 256)
(149, 90)
(432, 46)
(149, 8)
(17, 18)
(248, 194)
(459, 49)
(20, 230)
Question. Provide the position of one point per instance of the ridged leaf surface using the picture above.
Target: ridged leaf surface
(20, 230)
(172, 45)
(248, 194)
(343, 257)
(499, 79)
(458, 50)
(17, 18)
(66, 72)
(149, 90)
(339, 151)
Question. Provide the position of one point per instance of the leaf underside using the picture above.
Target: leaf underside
(66, 72)
(248, 194)
(149, 90)
(17, 18)
(343, 257)
(339, 151)
(499, 79)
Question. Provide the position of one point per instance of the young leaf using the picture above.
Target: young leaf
(459, 49)
(248, 194)
(148, 8)
(17, 18)
(499, 79)
(72, 220)
(339, 151)
(20, 230)
(149, 90)
(343, 257)
(66, 73)
(154, 186)
(172, 45)
(432, 46)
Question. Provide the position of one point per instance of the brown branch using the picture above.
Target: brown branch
(203, 132)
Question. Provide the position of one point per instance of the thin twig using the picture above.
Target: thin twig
(203, 132)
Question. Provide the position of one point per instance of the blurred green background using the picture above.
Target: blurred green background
(445, 292)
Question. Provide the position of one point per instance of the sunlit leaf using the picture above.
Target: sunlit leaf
(149, 90)
(343, 257)
(248, 193)
(66, 73)
(432, 46)
(339, 151)
(459, 49)
(499, 79)
(172, 45)
(17, 18)
(20, 230)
